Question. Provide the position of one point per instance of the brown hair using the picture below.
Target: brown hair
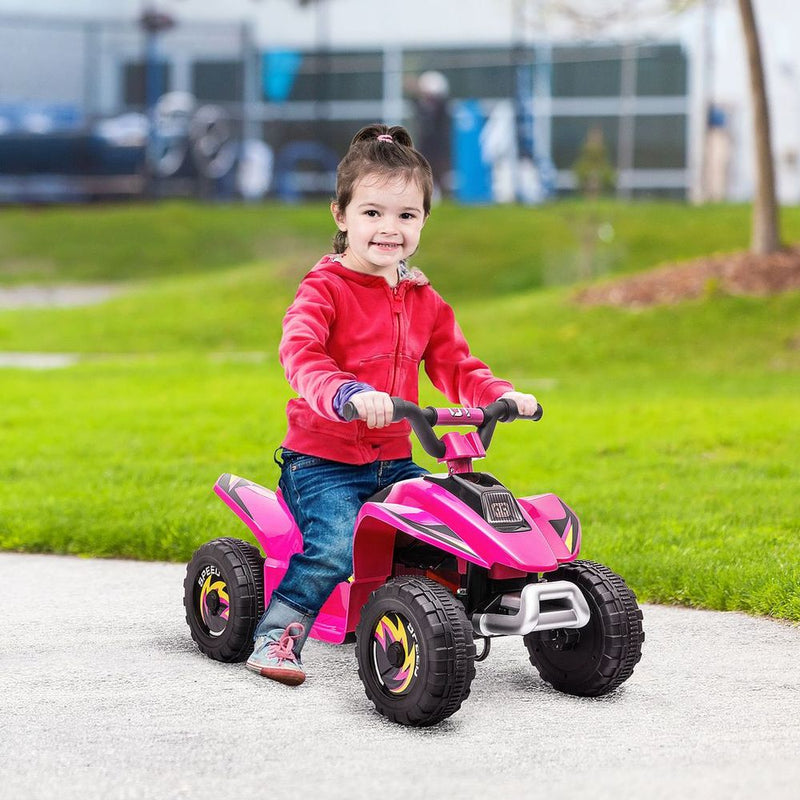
(380, 150)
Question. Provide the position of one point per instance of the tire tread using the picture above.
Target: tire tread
(622, 632)
(244, 572)
(449, 644)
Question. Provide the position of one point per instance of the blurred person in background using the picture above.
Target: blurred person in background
(431, 94)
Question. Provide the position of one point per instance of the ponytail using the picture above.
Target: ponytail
(376, 132)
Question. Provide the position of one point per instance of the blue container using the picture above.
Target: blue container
(279, 69)
(473, 176)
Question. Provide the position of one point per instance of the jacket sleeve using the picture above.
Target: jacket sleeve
(303, 352)
(459, 375)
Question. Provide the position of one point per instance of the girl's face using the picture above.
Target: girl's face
(383, 221)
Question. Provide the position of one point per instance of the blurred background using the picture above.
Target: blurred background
(511, 100)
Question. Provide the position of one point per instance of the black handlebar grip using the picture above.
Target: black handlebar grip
(402, 410)
(505, 410)
(349, 411)
(514, 413)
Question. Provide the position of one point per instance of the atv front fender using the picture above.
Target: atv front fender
(557, 523)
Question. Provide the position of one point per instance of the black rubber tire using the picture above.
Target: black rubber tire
(440, 643)
(235, 568)
(593, 660)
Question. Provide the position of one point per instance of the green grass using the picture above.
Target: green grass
(672, 432)
(234, 309)
(472, 250)
(130, 242)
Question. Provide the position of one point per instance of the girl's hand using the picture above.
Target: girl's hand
(375, 408)
(526, 403)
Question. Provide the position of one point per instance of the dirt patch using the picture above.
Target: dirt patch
(732, 273)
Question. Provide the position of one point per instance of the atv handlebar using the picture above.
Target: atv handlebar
(423, 420)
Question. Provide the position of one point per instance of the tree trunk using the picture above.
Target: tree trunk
(765, 234)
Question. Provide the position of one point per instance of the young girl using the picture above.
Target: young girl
(359, 327)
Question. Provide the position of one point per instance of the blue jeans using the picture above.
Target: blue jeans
(325, 498)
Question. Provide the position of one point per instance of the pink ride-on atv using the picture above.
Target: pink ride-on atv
(437, 562)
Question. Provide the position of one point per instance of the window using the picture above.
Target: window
(661, 71)
(134, 77)
(476, 73)
(218, 81)
(339, 76)
(660, 142)
(587, 72)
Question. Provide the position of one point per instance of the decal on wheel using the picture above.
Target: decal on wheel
(395, 653)
(214, 604)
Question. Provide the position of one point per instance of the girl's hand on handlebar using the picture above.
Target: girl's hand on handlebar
(526, 403)
(375, 408)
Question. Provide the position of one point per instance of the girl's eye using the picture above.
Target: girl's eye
(408, 215)
(371, 212)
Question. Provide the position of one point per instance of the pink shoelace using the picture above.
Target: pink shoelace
(283, 649)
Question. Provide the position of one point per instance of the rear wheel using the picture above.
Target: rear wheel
(597, 658)
(223, 594)
(416, 655)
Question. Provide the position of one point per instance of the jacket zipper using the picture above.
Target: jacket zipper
(397, 309)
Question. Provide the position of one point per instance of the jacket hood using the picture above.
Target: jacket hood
(331, 263)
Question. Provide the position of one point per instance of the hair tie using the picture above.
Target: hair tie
(385, 137)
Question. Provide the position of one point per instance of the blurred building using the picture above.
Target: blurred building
(669, 93)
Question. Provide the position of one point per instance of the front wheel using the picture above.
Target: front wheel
(415, 651)
(595, 659)
(223, 594)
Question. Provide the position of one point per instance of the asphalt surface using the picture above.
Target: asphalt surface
(105, 696)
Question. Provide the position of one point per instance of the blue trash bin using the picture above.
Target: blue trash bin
(472, 175)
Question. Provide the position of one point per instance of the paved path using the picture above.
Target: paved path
(105, 696)
(66, 296)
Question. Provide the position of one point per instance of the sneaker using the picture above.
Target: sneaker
(274, 656)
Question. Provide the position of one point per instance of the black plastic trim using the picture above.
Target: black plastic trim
(469, 487)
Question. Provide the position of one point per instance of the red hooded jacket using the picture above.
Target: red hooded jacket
(348, 326)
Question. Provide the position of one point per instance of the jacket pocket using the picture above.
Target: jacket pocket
(377, 371)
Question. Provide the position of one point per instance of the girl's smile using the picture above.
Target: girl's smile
(383, 221)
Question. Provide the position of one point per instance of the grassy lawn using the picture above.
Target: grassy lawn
(672, 432)
(470, 250)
